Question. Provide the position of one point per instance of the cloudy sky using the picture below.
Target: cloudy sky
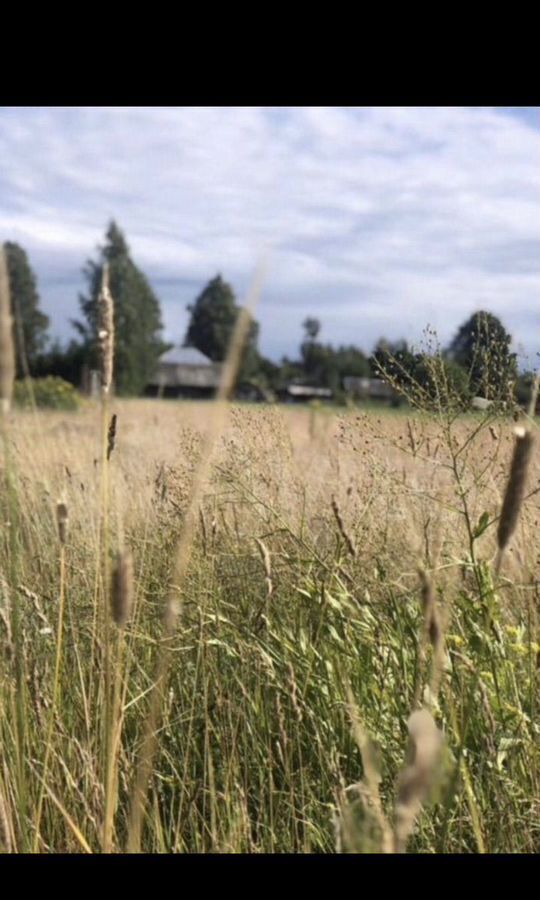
(380, 220)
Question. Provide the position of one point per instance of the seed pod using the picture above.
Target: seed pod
(62, 520)
(122, 589)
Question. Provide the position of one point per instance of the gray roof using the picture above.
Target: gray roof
(305, 390)
(185, 356)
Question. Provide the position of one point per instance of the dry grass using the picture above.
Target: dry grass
(7, 355)
(301, 602)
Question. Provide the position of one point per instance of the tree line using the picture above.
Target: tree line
(478, 360)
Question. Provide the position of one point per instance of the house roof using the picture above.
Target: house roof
(305, 390)
(185, 356)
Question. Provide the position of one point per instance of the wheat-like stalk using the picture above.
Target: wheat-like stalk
(122, 589)
(534, 394)
(173, 605)
(417, 777)
(62, 521)
(515, 489)
(369, 786)
(7, 348)
(121, 608)
(342, 529)
(106, 331)
(6, 827)
(265, 556)
(433, 631)
(106, 346)
(111, 435)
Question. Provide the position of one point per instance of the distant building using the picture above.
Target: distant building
(370, 389)
(303, 393)
(184, 372)
(481, 403)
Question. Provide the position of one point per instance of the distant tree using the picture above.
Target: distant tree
(482, 348)
(324, 365)
(427, 379)
(394, 357)
(31, 325)
(269, 374)
(213, 318)
(350, 360)
(289, 372)
(312, 328)
(65, 362)
(405, 371)
(137, 315)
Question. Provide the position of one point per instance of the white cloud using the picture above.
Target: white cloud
(382, 218)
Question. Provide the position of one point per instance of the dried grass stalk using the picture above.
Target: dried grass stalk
(183, 556)
(342, 530)
(122, 589)
(433, 629)
(6, 826)
(419, 774)
(106, 331)
(429, 607)
(515, 488)
(534, 394)
(265, 556)
(372, 775)
(7, 347)
(111, 436)
(62, 521)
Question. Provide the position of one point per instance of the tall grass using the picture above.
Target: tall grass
(319, 694)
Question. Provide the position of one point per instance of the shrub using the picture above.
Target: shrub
(50, 392)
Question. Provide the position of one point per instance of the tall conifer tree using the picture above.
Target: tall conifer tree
(138, 325)
(30, 324)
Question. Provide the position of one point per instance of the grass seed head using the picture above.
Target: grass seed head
(431, 614)
(106, 331)
(419, 774)
(111, 436)
(62, 521)
(515, 488)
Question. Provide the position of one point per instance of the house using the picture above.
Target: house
(184, 372)
(303, 393)
(370, 389)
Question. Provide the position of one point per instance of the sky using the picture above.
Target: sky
(379, 221)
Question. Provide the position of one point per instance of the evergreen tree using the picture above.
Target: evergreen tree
(213, 318)
(482, 347)
(31, 324)
(63, 361)
(137, 315)
(311, 327)
(394, 357)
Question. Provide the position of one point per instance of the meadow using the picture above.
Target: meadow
(222, 653)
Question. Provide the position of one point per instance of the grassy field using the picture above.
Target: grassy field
(292, 601)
